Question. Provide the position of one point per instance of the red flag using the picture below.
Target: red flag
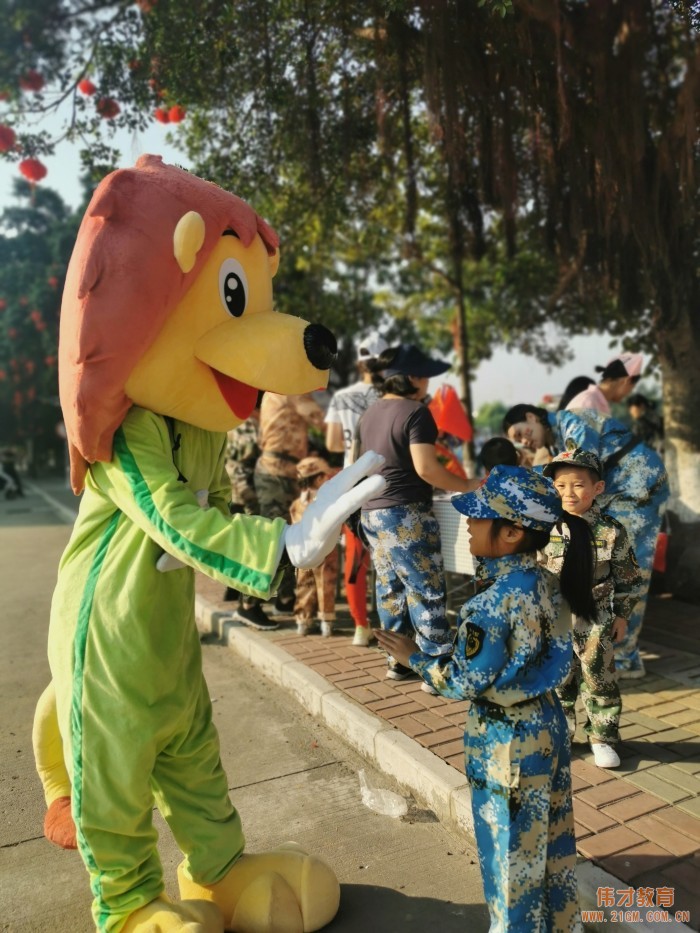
(449, 414)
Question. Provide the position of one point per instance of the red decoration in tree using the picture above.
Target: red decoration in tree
(176, 113)
(161, 115)
(31, 81)
(35, 315)
(7, 138)
(86, 87)
(31, 394)
(50, 360)
(12, 333)
(108, 108)
(17, 399)
(3, 375)
(3, 304)
(52, 281)
(40, 325)
(29, 367)
(33, 170)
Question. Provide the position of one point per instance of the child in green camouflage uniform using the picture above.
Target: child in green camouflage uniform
(577, 478)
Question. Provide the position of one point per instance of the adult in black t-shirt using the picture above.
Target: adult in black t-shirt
(403, 533)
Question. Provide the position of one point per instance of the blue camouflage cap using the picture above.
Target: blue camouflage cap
(515, 493)
(575, 458)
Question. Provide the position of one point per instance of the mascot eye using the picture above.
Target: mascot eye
(233, 287)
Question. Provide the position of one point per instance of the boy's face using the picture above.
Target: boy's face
(577, 488)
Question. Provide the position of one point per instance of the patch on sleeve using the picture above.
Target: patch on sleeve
(475, 639)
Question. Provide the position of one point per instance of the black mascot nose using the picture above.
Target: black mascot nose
(320, 345)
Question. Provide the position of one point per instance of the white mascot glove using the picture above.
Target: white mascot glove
(307, 542)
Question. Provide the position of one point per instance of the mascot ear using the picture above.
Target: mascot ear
(274, 261)
(187, 239)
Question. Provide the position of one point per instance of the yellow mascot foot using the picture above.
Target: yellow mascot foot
(59, 827)
(164, 916)
(283, 891)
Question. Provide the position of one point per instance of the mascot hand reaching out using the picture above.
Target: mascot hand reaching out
(168, 334)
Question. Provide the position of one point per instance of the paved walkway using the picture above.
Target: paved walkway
(637, 828)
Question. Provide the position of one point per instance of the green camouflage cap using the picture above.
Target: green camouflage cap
(517, 494)
(575, 458)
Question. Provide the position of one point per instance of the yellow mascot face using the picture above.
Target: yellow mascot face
(223, 343)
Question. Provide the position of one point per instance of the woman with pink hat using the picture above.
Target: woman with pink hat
(618, 378)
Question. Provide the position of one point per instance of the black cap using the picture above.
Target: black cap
(410, 361)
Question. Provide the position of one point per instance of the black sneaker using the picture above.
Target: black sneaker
(279, 608)
(254, 617)
(396, 671)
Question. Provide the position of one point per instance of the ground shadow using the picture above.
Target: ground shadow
(373, 909)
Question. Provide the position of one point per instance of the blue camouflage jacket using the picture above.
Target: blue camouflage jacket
(514, 641)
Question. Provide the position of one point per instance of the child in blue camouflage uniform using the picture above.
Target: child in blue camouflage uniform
(513, 648)
(577, 477)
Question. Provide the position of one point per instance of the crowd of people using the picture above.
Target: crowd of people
(568, 509)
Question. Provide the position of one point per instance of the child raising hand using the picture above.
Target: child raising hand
(513, 648)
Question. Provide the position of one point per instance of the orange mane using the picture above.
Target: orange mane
(123, 281)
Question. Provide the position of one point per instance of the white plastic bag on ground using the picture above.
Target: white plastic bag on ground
(385, 802)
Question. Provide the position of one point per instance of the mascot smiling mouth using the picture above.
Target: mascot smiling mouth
(239, 396)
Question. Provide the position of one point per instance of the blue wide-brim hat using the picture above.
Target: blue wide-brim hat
(411, 361)
(515, 493)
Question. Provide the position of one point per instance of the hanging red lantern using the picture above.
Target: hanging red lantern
(161, 115)
(35, 315)
(108, 108)
(40, 325)
(31, 394)
(176, 113)
(3, 304)
(12, 333)
(33, 170)
(31, 81)
(8, 138)
(86, 87)
(3, 375)
(52, 281)
(50, 360)
(29, 367)
(17, 399)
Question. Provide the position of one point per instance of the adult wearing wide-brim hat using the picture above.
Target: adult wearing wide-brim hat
(402, 531)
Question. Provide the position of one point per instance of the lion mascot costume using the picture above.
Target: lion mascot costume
(168, 335)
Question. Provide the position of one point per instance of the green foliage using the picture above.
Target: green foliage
(489, 419)
(36, 239)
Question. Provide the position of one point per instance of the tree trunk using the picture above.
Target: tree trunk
(679, 354)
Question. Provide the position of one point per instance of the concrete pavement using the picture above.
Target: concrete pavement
(290, 775)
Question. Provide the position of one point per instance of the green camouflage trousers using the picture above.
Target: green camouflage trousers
(593, 676)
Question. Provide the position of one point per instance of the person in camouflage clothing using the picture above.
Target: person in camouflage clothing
(242, 452)
(617, 589)
(316, 586)
(513, 648)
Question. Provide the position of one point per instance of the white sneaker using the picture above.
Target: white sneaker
(428, 688)
(326, 629)
(304, 628)
(605, 755)
(632, 673)
(362, 636)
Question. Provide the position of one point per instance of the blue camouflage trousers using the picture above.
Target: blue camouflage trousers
(518, 764)
(404, 543)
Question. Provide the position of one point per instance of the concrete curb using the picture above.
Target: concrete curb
(426, 777)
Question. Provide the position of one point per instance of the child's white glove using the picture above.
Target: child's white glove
(307, 542)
